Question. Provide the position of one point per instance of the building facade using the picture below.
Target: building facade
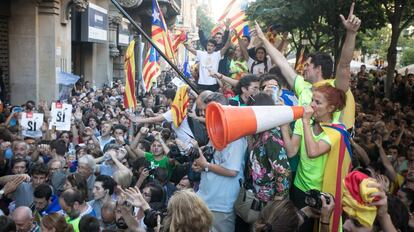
(41, 38)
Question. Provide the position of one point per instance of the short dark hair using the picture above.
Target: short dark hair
(398, 212)
(325, 61)
(16, 160)
(157, 192)
(169, 93)
(98, 105)
(40, 169)
(43, 191)
(59, 145)
(262, 99)
(71, 196)
(120, 127)
(212, 41)
(107, 183)
(89, 223)
(245, 82)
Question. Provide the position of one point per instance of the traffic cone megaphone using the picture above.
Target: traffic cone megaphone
(226, 124)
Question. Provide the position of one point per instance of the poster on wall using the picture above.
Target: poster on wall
(124, 36)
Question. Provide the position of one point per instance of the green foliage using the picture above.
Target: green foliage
(316, 20)
(407, 57)
(206, 23)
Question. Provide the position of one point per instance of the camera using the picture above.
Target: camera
(313, 198)
(151, 215)
(151, 170)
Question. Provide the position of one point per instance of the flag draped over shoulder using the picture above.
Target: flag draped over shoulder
(337, 167)
(234, 11)
(160, 37)
(180, 105)
(130, 100)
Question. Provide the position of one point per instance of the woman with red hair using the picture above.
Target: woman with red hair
(322, 146)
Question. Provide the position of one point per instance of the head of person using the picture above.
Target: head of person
(115, 149)
(363, 68)
(280, 78)
(23, 218)
(65, 136)
(410, 152)
(211, 46)
(104, 187)
(184, 183)
(186, 212)
(280, 216)
(326, 100)
(93, 122)
(139, 165)
(218, 37)
(58, 147)
(39, 174)
(86, 166)
(7, 224)
(42, 197)
(55, 222)
(262, 99)
(119, 216)
(89, 223)
(119, 130)
(108, 213)
(153, 192)
(76, 181)
(261, 54)
(106, 128)
(20, 148)
(156, 148)
(167, 96)
(268, 82)
(54, 165)
(248, 86)
(19, 165)
(318, 66)
(70, 201)
(123, 178)
(97, 107)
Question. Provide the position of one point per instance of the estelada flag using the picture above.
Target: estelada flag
(180, 105)
(130, 101)
(337, 166)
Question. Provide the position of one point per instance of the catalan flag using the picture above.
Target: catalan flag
(160, 37)
(300, 62)
(130, 100)
(179, 37)
(337, 167)
(180, 105)
(151, 69)
(234, 11)
(159, 31)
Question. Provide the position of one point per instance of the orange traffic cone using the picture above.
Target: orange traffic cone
(226, 124)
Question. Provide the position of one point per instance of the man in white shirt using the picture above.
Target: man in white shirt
(208, 63)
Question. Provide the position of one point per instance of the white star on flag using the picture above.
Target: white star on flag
(156, 16)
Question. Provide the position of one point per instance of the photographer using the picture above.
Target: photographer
(219, 185)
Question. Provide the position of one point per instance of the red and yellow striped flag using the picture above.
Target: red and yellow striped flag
(235, 13)
(130, 101)
(180, 105)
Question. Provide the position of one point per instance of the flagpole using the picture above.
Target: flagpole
(119, 7)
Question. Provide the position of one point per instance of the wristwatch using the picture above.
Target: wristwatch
(206, 168)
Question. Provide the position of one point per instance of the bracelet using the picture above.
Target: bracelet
(324, 223)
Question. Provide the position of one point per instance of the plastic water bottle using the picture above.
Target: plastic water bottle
(275, 95)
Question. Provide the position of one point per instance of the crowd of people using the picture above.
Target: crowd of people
(346, 165)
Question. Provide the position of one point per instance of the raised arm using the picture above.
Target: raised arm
(277, 57)
(243, 48)
(227, 45)
(190, 49)
(343, 73)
